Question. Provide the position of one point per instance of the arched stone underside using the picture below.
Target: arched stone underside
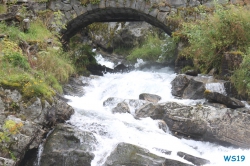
(155, 12)
(112, 14)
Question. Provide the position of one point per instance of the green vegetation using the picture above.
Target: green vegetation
(227, 29)
(3, 8)
(35, 73)
(86, 2)
(81, 55)
(241, 76)
(9, 128)
(154, 49)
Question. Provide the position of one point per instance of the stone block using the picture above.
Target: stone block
(112, 3)
(66, 7)
(120, 3)
(79, 9)
(127, 3)
(162, 16)
(133, 4)
(154, 12)
(164, 9)
(140, 5)
(102, 4)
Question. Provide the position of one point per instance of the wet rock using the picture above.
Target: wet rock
(179, 84)
(121, 68)
(230, 61)
(216, 105)
(68, 146)
(97, 69)
(121, 108)
(150, 97)
(150, 110)
(62, 110)
(34, 117)
(212, 72)
(194, 90)
(220, 98)
(113, 101)
(74, 87)
(195, 160)
(131, 155)
(192, 72)
(6, 162)
(167, 152)
(222, 125)
(162, 125)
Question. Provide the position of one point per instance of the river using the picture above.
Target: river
(111, 129)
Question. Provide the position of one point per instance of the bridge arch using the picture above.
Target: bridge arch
(154, 12)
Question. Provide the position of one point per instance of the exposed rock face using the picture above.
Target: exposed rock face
(179, 84)
(220, 98)
(113, 101)
(36, 116)
(225, 126)
(99, 69)
(191, 72)
(194, 90)
(121, 108)
(131, 155)
(195, 160)
(68, 146)
(150, 97)
(230, 62)
(121, 68)
(74, 87)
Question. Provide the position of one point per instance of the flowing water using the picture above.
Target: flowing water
(111, 129)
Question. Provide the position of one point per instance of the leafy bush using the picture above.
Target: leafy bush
(241, 76)
(153, 49)
(228, 29)
(81, 57)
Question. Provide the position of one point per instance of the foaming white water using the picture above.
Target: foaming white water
(111, 129)
(103, 61)
(216, 87)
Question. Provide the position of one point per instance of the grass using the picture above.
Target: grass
(153, 49)
(241, 76)
(226, 30)
(41, 74)
(38, 33)
(3, 8)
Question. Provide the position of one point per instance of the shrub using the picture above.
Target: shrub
(81, 57)
(241, 76)
(153, 49)
(55, 62)
(226, 30)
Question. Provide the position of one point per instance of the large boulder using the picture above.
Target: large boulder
(179, 84)
(195, 160)
(68, 146)
(150, 97)
(194, 90)
(97, 69)
(36, 116)
(74, 87)
(132, 103)
(222, 125)
(131, 155)
(121, 108)
(220, 98)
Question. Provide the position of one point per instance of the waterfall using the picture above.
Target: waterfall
(216, 87)
(111, 129)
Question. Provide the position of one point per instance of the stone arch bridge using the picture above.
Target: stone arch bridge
(80, 13)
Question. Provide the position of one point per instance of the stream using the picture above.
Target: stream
(111, 129)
